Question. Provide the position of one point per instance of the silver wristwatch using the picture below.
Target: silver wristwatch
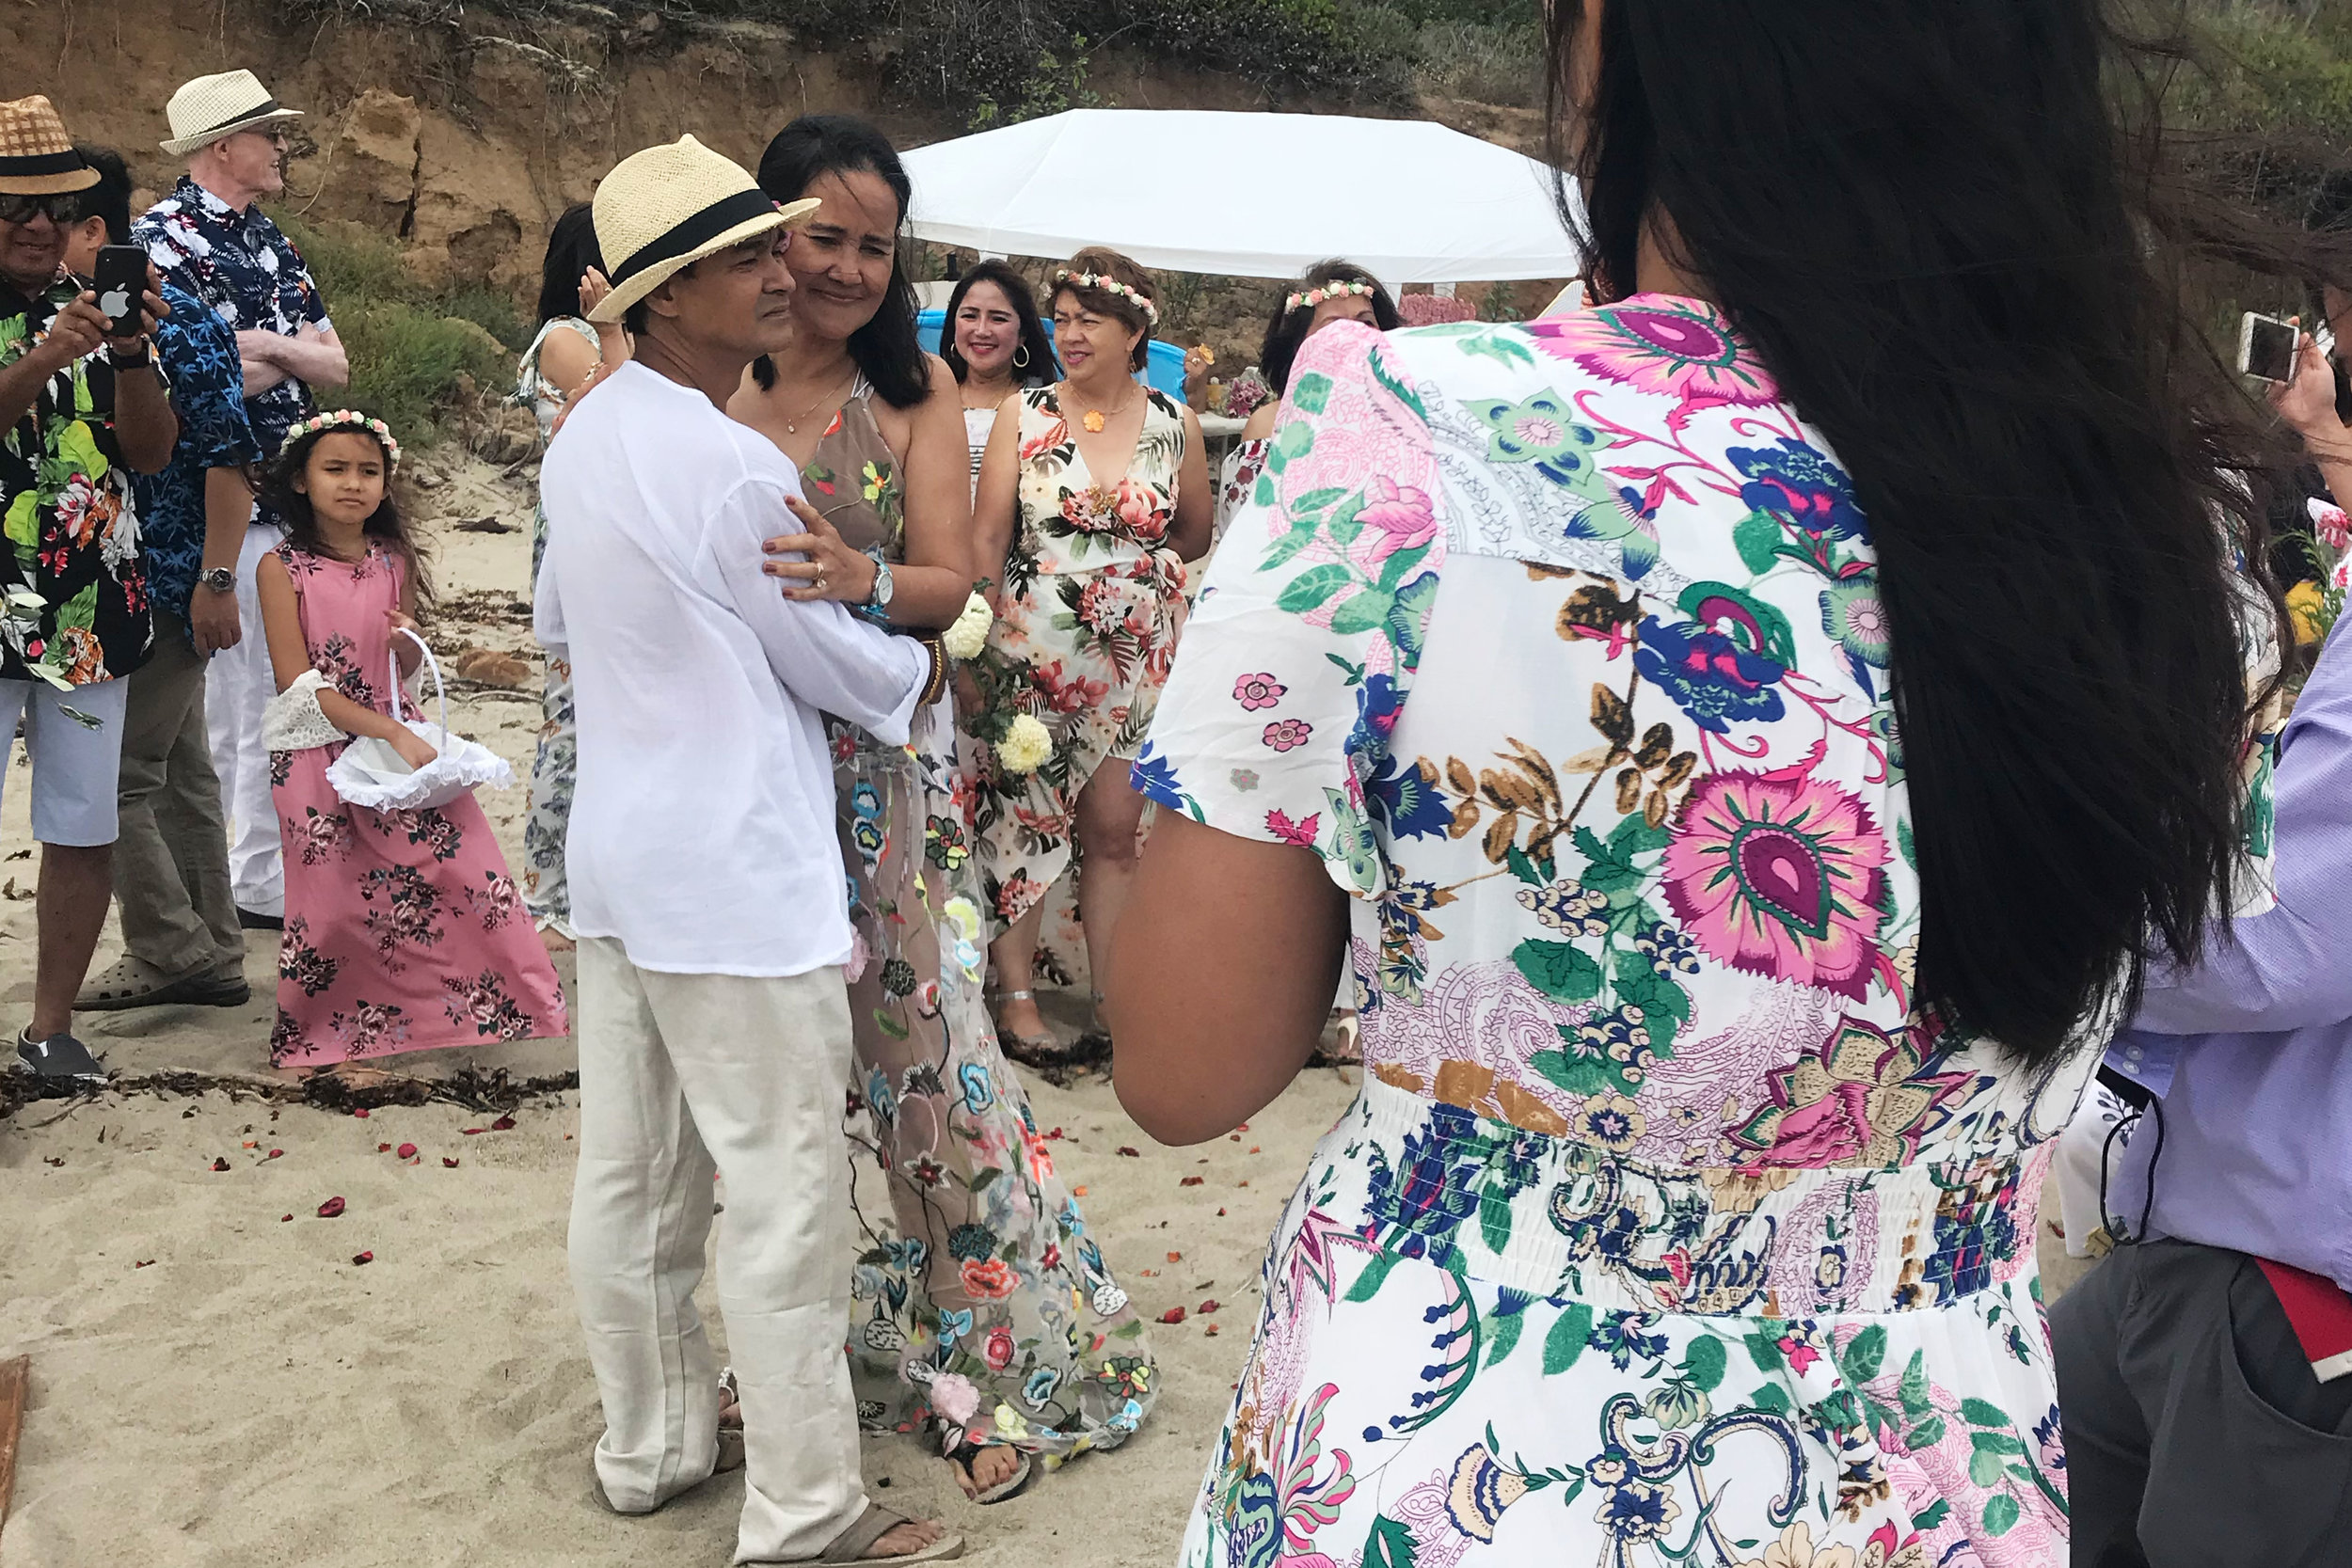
(878, 600)
(220, 580)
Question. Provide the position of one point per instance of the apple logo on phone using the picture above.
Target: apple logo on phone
(116, 302)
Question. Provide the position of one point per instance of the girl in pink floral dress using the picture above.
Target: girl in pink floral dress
(403, 930)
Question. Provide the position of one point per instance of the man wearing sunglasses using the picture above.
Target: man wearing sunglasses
(79, 411)
(211, 238)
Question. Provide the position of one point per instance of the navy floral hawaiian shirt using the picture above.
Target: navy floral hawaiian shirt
(249, 273)
(72, 595)
(199, 352)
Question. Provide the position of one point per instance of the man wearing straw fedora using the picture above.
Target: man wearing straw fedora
(79, 412)
(708, 889)
(211, 238)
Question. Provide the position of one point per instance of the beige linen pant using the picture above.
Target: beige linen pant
(172, 852)
(679, 1075)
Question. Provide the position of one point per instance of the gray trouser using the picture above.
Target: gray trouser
(171, 851)
(2197, 1434)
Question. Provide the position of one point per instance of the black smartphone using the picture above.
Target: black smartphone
(2265, 348)
(121, 280)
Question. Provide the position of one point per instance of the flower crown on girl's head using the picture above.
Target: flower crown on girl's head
(1321, 292)
(345, 418)
(1110, 286)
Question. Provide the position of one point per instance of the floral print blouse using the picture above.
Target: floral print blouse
(1562, 646)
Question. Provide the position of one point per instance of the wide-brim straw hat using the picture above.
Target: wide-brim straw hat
(205, 110)
(667, 207)
(36, 157)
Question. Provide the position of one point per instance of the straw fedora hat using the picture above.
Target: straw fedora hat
(666, 207)
(205, 110)
(36, 157)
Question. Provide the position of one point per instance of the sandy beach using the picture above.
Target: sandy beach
(216, 1383)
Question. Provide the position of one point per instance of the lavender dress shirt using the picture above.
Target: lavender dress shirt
(2251, 1051)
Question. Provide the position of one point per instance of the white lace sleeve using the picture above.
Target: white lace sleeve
(293, 721)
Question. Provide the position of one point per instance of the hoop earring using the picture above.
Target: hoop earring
(1021, 358)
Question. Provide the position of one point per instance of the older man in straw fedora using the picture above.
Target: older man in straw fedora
(708, 889)
(211, 239)
(79, 411)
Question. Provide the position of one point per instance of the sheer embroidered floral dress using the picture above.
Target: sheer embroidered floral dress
(981, 1300)
(403, 930)
(1664, 1229)
(1092, 602)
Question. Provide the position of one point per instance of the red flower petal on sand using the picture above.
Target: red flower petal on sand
(383, 1149)
(283, 1218)
(407, 1151)
(1209, 1305)
(1221, 1214)
(1131, 1155)
(359, 1258)
(1174, 1315)
(1189, 1181)
(1211, 1331)
(1175, 1256)
(331, 1208)
(362, 1113)
(275, 1154)
(448, 1162)
(469, 1132)
(220, 1163)
(503, 1124)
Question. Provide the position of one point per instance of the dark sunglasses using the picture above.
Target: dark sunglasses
(61, 209)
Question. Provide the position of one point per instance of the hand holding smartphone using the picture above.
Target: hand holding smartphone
(122, 284)
(2266, 348)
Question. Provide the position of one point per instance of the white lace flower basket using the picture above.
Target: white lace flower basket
(370, 773)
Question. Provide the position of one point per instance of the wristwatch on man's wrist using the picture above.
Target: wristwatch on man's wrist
(220, 580)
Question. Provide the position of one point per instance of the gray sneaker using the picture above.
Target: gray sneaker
(60, 1058)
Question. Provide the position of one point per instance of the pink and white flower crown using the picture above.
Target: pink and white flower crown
(345, 418)
(1336, 288)
(1109, 286)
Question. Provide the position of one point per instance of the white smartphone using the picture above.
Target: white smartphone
(2266, 346)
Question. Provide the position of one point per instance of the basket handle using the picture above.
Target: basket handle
(439, 689)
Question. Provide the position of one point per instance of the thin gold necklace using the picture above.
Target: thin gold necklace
(1095, 420)
(793, 426)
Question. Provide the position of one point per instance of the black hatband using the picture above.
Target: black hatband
(42, 163)
(704, 226)
(266, 106)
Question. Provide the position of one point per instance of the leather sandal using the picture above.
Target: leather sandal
(849, 1548)
(130, 982)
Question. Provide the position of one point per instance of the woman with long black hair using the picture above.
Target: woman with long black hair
(995, 345)
(984, 1313)
(566, 356)
(1749, 735)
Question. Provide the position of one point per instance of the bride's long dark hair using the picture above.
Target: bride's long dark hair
(1950, 241)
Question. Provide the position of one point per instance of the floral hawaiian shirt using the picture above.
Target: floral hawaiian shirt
(75, 609)
(199, 352)
(242, 265)
(1668, 1228)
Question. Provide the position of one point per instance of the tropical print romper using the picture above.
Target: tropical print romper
(555, 767)
(1665, 1230)
(980, 1301)
(1093, 600)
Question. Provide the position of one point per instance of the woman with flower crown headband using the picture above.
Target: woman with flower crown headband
(1094, 491)
(1332, 290)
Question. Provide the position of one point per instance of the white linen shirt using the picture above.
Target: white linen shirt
(702, 831)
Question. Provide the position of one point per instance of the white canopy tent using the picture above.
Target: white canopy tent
(1246, 195)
